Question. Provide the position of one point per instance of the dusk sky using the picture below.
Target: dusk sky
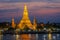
(43, 10)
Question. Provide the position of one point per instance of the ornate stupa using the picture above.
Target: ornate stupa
(25, 21)
(34, 23)
(13, 24)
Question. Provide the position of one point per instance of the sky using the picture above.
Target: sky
(43, 10)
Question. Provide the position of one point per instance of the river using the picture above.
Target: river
(30, 37)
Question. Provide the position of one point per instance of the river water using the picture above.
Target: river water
(30, 37)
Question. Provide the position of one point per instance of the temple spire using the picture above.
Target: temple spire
(13, 23)
(25, 21)
(25, 13)
(34, 23)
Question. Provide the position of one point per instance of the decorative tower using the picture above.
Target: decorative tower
(25, 22)
(34, 23)
(13, 24)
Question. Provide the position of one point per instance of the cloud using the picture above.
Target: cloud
(47, 0)
(37, 7)
(45, 12)
(9, 13)
(29, 4)
(15, 0)
(29, 0)
(8, 10)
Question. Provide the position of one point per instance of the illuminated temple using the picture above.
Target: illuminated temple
(25, 21)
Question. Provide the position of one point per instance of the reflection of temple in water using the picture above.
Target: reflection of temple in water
(31, 37)
(37, 37)
(26, 37)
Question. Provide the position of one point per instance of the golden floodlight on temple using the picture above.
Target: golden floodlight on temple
(25, 21)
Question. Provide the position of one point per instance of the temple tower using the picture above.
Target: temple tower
(34, 23)
(25, 21)
(13, 24)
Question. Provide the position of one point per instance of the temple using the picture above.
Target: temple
(25, 21)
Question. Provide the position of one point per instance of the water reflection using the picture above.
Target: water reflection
(44, 37)
(8, 37)
(30, 37)
(17, 37)
(24, 37)
(1, 37)
(49, 36)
